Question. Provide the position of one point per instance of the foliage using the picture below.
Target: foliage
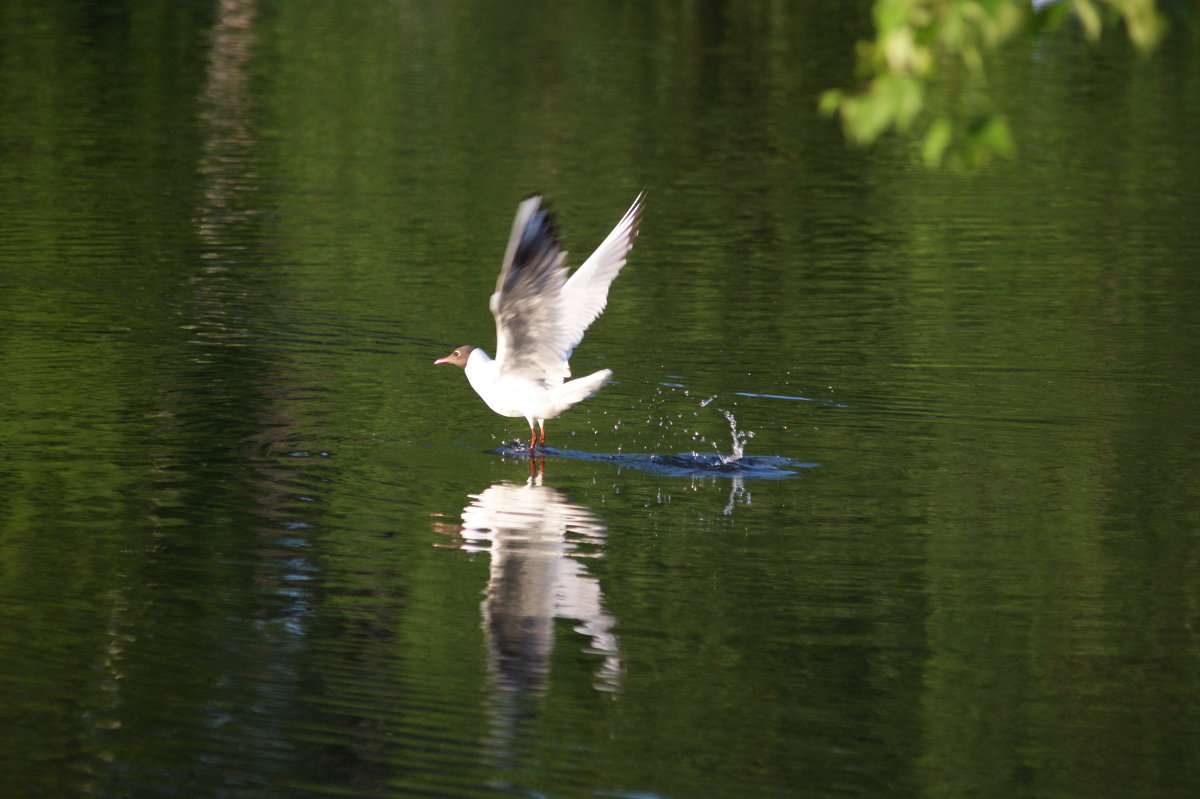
(926, 68)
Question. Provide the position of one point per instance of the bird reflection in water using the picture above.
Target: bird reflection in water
(539, 543)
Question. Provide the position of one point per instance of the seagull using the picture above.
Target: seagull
(541, 316)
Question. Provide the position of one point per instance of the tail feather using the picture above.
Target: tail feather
(581, 388)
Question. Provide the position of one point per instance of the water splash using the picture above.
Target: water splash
(740, 437)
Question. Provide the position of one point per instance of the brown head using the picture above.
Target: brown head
(458, 357)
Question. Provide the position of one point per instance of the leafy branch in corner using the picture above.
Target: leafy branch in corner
(926, 69)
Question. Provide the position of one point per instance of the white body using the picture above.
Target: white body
(510, 395)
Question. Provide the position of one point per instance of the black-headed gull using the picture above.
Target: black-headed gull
(541, 316)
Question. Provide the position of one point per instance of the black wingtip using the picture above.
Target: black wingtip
(539, 238)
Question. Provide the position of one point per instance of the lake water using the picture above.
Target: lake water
(254, 544)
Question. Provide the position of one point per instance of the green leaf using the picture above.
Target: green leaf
(937, 139)
(831, 100)
(996, 135)
(890, 15)
(1089, 18)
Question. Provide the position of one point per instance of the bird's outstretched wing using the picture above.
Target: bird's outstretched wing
(586, 293)
(531, 341)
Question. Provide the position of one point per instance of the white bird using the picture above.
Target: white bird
(541, 316)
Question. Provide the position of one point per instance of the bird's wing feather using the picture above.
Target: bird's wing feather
(530, 337)
(586, 293)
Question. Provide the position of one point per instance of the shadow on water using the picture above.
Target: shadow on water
(683, 464)
(736, 465)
